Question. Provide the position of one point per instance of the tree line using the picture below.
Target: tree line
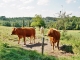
(68, 23)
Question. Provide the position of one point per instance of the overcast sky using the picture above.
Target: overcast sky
(28, 8)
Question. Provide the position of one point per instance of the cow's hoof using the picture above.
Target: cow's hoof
(24, 44)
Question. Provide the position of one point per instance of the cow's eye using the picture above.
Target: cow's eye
(13, 32)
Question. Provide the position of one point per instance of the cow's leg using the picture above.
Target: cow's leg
(53, 45)
(58, 44)
(24, 41)
(34, 39)
(19, 40)
(30, 40)
(51, 42)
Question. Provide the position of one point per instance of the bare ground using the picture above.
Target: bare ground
(47, 48)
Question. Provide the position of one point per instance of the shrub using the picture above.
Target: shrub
(6, 24)
(16, 24)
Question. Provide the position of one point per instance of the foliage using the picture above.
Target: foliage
(7, 24)
(3, 18)
(17, 24)
(69, 23)
(38, 21)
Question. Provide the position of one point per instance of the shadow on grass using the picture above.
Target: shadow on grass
(35, 45)
(67, 48)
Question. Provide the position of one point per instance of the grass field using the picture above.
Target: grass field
(10, 50)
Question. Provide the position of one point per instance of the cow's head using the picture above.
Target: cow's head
(14, 31)
(50, 32)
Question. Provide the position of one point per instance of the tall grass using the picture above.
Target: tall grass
(71, 38)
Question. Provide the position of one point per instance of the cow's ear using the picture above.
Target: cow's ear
(14, 28)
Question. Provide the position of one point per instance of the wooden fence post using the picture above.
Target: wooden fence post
(42, 45)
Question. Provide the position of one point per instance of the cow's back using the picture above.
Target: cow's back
(20, 31)
(25, 31)
(33, 31)
(29, 31)
(56, 34)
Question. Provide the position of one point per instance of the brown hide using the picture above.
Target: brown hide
(54, 36)
(24, 32)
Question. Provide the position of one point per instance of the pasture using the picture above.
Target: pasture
(11, 50)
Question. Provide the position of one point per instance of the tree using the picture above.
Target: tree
(6, 24)
(23, 23)
(3, 18)
(16, 24)
(38, 21)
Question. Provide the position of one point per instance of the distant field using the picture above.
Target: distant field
(8, 44)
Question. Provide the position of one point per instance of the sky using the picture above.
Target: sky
(45, 8)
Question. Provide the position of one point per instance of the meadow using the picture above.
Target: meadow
(10, 50)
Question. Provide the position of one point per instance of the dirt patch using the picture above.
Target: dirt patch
(47, 48)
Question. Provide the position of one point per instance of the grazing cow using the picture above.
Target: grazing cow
(42, 30)
(23, 33)
(54, 36)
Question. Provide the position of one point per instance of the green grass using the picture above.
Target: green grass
(17, 53)
(10, 50)
(71, 38)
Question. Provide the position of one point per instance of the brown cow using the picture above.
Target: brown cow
(54, 36)
(23, 33)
